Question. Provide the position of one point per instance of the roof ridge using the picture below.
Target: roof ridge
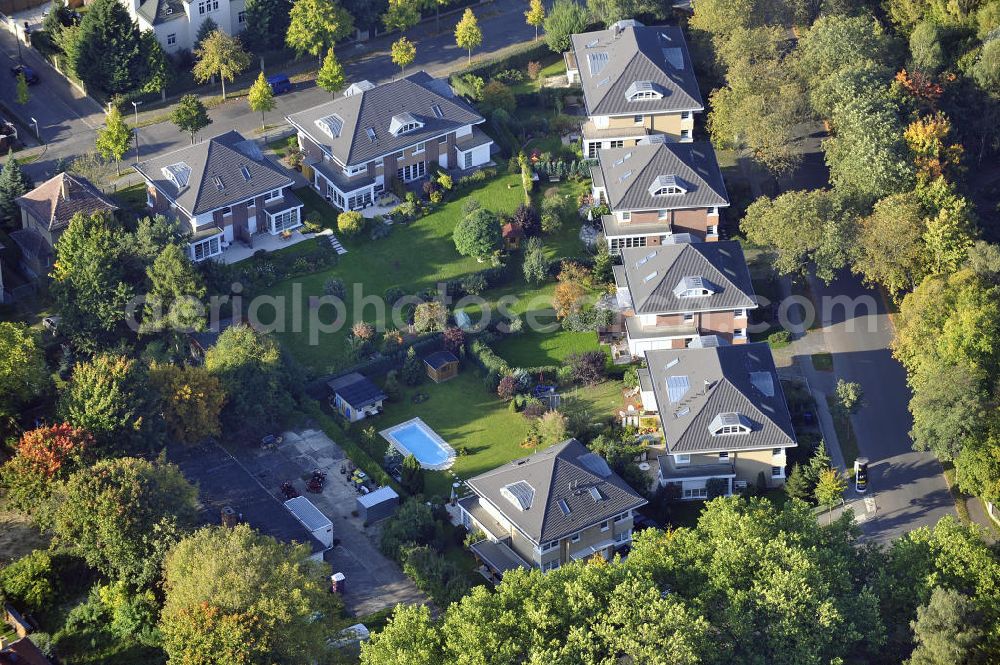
(717, 249)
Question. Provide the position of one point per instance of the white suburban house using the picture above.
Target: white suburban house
(561, 504)
(656, 189)
(404, 129)
(223, 190)
(723, 415)
(637, 80)
(672, 296)
(176, 22)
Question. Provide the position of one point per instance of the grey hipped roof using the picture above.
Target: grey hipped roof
(221, 157)
(161, 11)
(636, 54)
(356, 390)
(706, 383)
(567, 475)
(628, 174)
(720, 265)
(417, 94)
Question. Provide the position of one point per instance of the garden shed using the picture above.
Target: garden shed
(377, 505)
(441, 366)
(355, 397)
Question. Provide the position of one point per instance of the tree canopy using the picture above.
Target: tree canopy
(190, 115)
(107, 52)
(316, 25)
(236, 596)
(220, 55)
(565, 18)
(478, 234)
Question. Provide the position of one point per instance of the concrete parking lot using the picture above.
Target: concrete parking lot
(373, 581)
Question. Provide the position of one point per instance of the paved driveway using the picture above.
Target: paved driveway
(373, 581)
(907, 486)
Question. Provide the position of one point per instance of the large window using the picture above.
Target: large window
(617, 244)
(359, 201)
(618, 144)
(696, 493)
(468, 160)
(412, 171)
(592, 149)
(207, 248)
(206, 6)
(285, 220)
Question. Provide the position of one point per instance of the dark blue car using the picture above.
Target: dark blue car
(279, 83)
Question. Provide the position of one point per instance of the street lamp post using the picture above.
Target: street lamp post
(135, 106)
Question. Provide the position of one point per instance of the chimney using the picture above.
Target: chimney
(65, 186)
(229, 517)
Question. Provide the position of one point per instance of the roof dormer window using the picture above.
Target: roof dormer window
(642, 90)
(666, 185)
(729, 424)
(178, 174)
(404, 123)
(693, 287)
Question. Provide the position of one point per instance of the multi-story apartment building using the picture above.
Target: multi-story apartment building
(559, 505)
(355, 144)
(636, 81)
(657, 189)
(176, 22)
(674, 294)
(223, 190)
(723, 414)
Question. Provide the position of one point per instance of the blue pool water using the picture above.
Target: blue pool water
(416, 438)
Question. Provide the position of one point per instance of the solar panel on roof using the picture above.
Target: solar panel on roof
(763, 381)
(677, 387)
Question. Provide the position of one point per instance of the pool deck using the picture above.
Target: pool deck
(389, 435)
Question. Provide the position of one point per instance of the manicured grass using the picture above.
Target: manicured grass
(415, 257)
(471, 418)
(822, 362)
(845, 432)
(531, 349)
(554, 68)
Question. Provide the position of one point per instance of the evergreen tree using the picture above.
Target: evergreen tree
(266, 23)
(412, 475)
(159, 72)
(797, 486)
(108, 51)
(13, 183)
(207, 27)
(819, 463)
(331, 75)
(413, 371)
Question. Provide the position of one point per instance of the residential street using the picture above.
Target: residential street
(68, 123)
(908, 487)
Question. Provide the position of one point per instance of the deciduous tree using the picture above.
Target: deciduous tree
(192, 401)
(316, 25)
(467, 32)
(109, 397)
(89, 282)
(409, 631)
(43, 456)
(173, 301)
(190, 115)
(947, 630)
(22, 367)
(114, 139)
(478, 234)
(889, 248)
(261, 98)
(254, 377)
(331, 75)
(403, 53)
(220, 55)
(266, 23)
(237, 596)
(123, 515)
(401, 15)
(535, 16)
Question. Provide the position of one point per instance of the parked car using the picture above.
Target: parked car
(641, 522)
(51, 322)
(30, 75)
(280, 83)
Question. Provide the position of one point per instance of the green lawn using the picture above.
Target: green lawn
(469, 416)
(415, 257)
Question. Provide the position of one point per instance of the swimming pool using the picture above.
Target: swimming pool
(415, 437)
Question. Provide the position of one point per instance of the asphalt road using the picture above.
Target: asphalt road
(908, 487)
(68, 123)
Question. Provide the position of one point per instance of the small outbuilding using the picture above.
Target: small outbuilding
(377, 505)
(309, 516)
(441, 366)
(512, 233)
(355, 397)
